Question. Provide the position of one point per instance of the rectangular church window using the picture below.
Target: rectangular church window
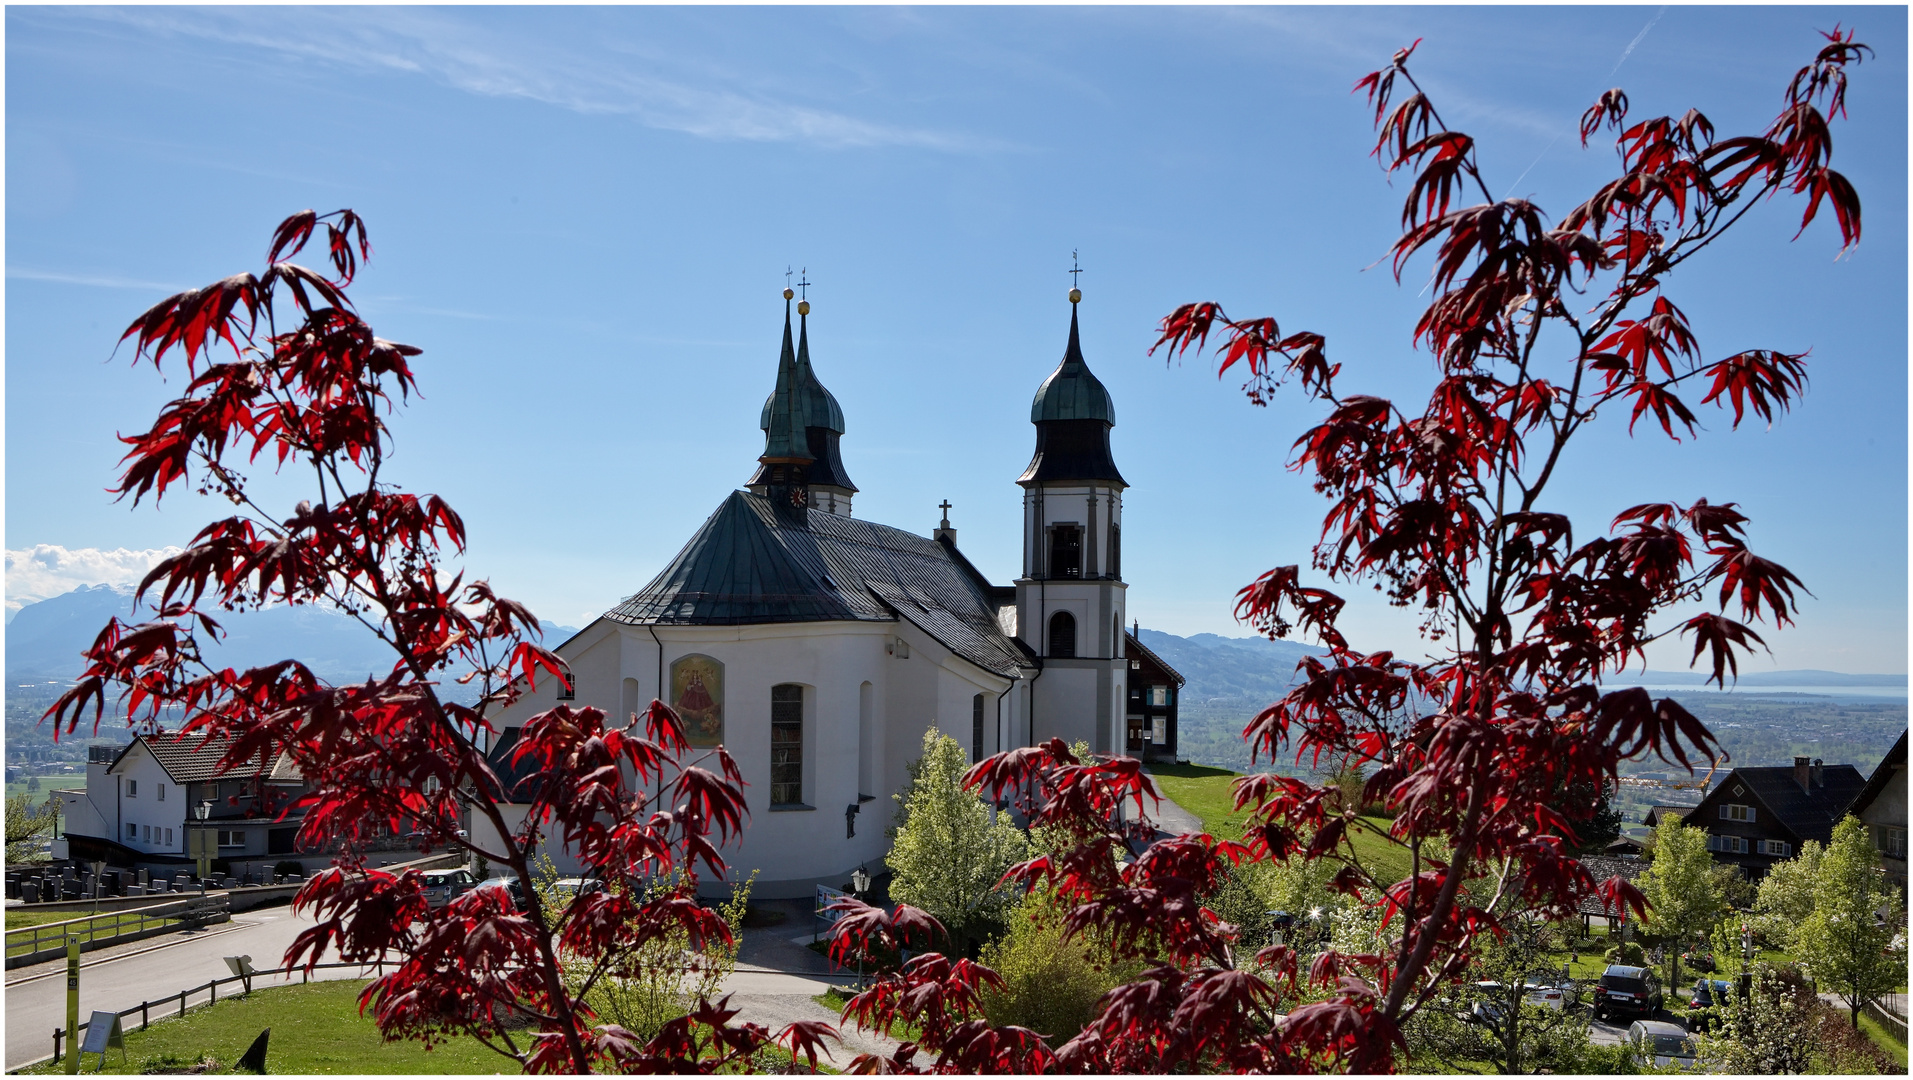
(787, 744)
(976, 729)
(1065, 551)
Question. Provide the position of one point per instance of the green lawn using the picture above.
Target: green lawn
(316, 1028)
(1884, 1039)
(1208, 793)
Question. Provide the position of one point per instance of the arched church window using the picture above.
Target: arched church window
(1065, 551)
(1116, 552)
(976, 729)
(787, 744)
(1062, 634)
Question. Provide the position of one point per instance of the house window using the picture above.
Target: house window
(1135, 665)
(1776, 847)
(132, 832)
(132, 789)
(169, 838)
(1890, 840)
(145, 834)
(1065, 551)
(787, 744)
(976, 728)
(1727, 845)
(1159, 695)
(1736, 812)
(161, 793)
(232, 838)
(1159, 730)
(567, 693)
(1062, 634)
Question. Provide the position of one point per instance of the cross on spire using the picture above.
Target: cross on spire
(1075, 268)
(786, 275)
(803, 285)
(945, 507)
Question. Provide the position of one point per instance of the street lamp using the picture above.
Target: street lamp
(201, 811)
(860, 884)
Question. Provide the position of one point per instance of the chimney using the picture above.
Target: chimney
(1801, 775)
(1819, 774)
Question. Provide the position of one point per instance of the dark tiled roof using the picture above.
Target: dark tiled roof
(1893, 764)
(188, 760)
(500, 757)
(1654, 813)
(1602, 867)
(1137, 648)
(1809, 815)
(752, 564)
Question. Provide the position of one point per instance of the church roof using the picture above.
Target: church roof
(752, 564)
(786, 412)
(1072, 392)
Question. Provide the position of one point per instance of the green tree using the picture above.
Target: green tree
(1848, 941)
(1767, 1030)
(27, 825)
(1050, 984)
(1682, 891)
(952, 848)
(1785, 897)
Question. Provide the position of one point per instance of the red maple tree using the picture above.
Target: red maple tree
(394, 753)
(1472, 752)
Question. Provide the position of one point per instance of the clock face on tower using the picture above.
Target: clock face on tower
(799, 496)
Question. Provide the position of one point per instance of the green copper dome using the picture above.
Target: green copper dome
(1071, 392)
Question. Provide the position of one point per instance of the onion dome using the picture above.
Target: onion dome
(1073, 414)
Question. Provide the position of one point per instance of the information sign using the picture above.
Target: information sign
(103, 1032)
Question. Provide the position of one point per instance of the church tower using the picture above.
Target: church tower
(802, 423)
(1071, 599)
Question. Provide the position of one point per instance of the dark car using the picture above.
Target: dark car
(1703, 1006)
(1627, 991)
(511, 885)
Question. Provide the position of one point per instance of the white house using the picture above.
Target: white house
(817, 647)
(139, 802)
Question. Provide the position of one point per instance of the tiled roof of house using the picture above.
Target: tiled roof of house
(190, 759)
(1808, 814)
(1655, 813)
(1602, 867)
(1883, 773)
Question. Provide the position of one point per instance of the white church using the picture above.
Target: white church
(817, 647)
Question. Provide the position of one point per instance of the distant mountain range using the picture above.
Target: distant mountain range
(45, 640)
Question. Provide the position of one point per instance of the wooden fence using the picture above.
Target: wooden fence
(33, 944)
(177, 1005)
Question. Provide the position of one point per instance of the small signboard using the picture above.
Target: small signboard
(827, 896)
(103, 1031)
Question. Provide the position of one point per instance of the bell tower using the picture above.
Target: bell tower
(1071, 599)
(802, 422)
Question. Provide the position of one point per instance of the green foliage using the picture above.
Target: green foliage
(1627, 952)
(1769, 1030)
(27, 826)
(952, 848)
(1497, 1025)
(1785, 896)
(1848, 942)
(1050, 985)
(1682, 891)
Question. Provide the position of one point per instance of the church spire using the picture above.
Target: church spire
(1073, 414)
(784, 420)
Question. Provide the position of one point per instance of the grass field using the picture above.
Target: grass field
(316, 1029)
(1884, 1039)
(1208, 793)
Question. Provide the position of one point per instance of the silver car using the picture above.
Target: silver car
(1658, 1044)
(444, 886)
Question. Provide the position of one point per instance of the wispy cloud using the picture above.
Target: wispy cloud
(98, 281)
(603, 78)
(47, 570)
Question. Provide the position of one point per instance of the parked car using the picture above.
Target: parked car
(1553, 992)
(1703, 1004)
(1657, 1044)
(512, 886)
(1627, 991)
(566, 888)
(444, 886)
(1488, 1003)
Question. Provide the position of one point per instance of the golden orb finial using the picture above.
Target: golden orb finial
(1076, 296)
(788, 294)
(803, 307)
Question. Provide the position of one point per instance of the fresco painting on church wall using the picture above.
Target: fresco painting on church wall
(697, 693)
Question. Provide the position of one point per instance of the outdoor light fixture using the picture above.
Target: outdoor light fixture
(860, 882)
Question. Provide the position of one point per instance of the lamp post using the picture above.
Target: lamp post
(201, 811)
(860, 884)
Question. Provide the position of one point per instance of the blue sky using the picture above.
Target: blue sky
(583, 216)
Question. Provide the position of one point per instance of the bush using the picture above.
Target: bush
(1627, 952)
(1049, 986)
